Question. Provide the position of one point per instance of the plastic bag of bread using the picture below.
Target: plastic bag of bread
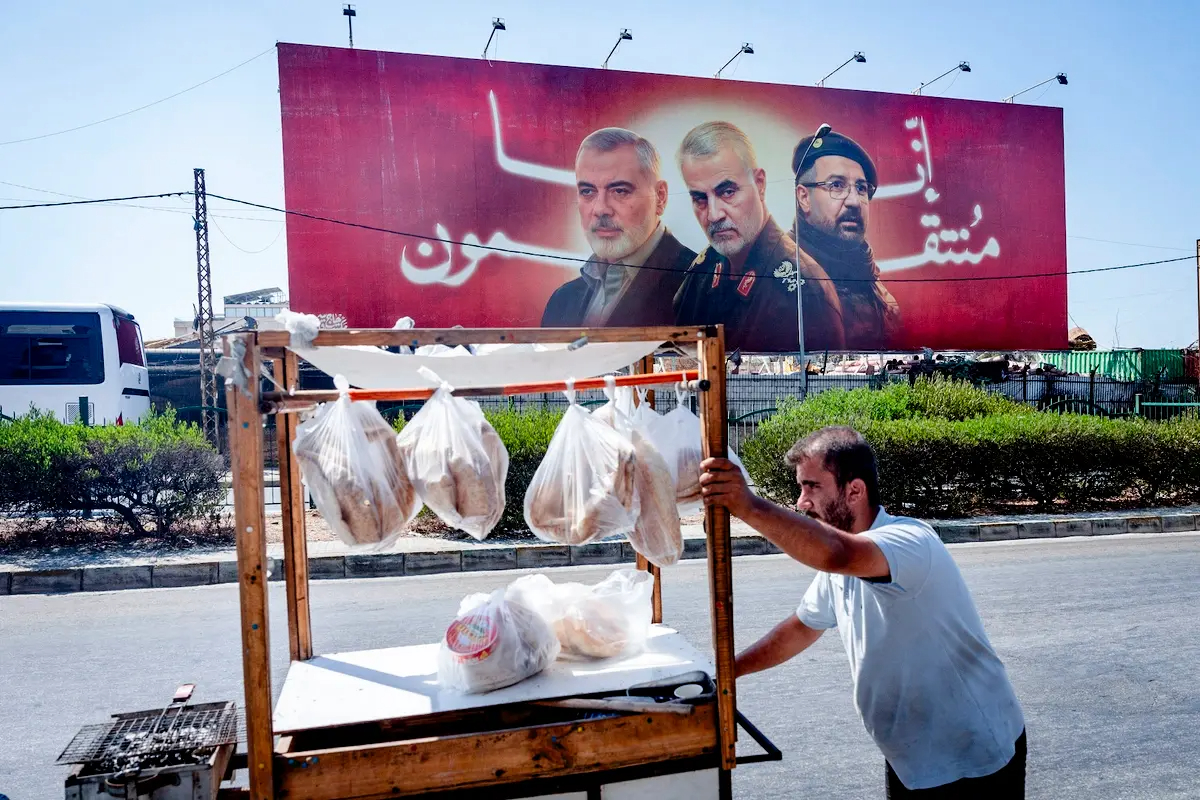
(676, 435)
(609, 619)
(584, 488)
(495, 641)
(456, 461)
(355, 471)
(657, 534)
(618, 412)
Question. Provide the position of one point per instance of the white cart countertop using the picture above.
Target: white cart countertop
(398, 682)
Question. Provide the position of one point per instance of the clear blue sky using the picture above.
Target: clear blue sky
(1132, 113)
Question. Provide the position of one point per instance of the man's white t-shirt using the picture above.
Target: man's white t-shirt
(928, 685)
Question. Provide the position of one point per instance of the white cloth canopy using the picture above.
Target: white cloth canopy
(490, 365)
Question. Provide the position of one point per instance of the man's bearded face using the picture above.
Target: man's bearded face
(845, 218)
(727, 199)
(618, 205)
(821, 497)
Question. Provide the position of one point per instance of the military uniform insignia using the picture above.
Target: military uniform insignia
(716, 281)
(786, 272)
(698, 260)
(746, 284)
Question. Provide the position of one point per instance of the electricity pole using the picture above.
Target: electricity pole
(204, 318)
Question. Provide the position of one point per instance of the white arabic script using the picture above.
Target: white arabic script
(474, 250)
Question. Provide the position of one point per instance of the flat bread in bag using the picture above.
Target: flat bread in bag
(457, 462)
(355, 472)
(657, 535)
(495, 641)
(584, 489)
(605, 620)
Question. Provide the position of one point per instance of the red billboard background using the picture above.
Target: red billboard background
(481, 153)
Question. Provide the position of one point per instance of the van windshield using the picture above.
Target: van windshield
(50, 347)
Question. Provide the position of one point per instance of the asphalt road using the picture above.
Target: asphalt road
(1100, 636)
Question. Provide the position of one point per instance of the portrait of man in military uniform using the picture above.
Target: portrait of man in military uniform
(746, 278)
(835, 182)
(636, 264)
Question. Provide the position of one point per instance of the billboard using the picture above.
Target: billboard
(913, 223)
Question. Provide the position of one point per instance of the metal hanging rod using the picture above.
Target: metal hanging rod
(284, 402)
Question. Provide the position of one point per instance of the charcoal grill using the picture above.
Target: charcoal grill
(178, 752)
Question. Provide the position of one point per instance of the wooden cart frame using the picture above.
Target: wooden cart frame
(437, 756)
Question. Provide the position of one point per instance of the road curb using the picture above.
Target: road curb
(536, 555)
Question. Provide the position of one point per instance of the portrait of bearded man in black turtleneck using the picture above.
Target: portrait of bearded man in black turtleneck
(834, 187)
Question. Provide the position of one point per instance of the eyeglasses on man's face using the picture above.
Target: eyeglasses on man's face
(839, 188)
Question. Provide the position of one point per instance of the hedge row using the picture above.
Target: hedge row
(159, 472)
(948, 449)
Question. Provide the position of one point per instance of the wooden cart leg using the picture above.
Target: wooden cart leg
(246, 451)
(713, 424)
(291, 500)
(646, 367)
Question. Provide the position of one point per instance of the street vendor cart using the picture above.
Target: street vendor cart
(375, 723)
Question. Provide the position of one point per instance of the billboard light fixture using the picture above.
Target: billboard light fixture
(857, 58)
(349, 13)
(1060, 77)
(963, 66)
(625, 36)
(497, 25)
(746, 48)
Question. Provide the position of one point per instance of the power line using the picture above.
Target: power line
(129, 205)
(576, 259)
(225, 235)
(895, 202)
(139, 108)
(556, 257)
(94, 202)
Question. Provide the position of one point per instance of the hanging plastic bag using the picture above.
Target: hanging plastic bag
(609, 619)
(657, 534)
(456, 461)
(618, 412)
(584, 487)
(355, 471)
(494, 641)
(676, 435)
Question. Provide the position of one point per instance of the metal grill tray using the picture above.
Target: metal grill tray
(139, 734)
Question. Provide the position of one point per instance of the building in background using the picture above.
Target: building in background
(241, 310)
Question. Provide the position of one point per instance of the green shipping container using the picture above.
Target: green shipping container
(1124, 365)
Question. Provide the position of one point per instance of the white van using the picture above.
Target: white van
(56, 357)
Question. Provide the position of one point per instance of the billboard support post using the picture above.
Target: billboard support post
(823, 130)
(1198, 293)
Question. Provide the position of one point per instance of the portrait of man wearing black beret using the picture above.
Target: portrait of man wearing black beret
(835, 183)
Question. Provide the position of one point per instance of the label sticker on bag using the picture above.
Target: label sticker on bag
(472, 638)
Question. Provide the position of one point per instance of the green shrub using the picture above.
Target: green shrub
(947, 448)
(160, 471)
(526, 435)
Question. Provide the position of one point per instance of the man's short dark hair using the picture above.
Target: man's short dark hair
(844, 453)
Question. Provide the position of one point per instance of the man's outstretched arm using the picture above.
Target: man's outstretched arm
(785, 641)
(807, 540)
